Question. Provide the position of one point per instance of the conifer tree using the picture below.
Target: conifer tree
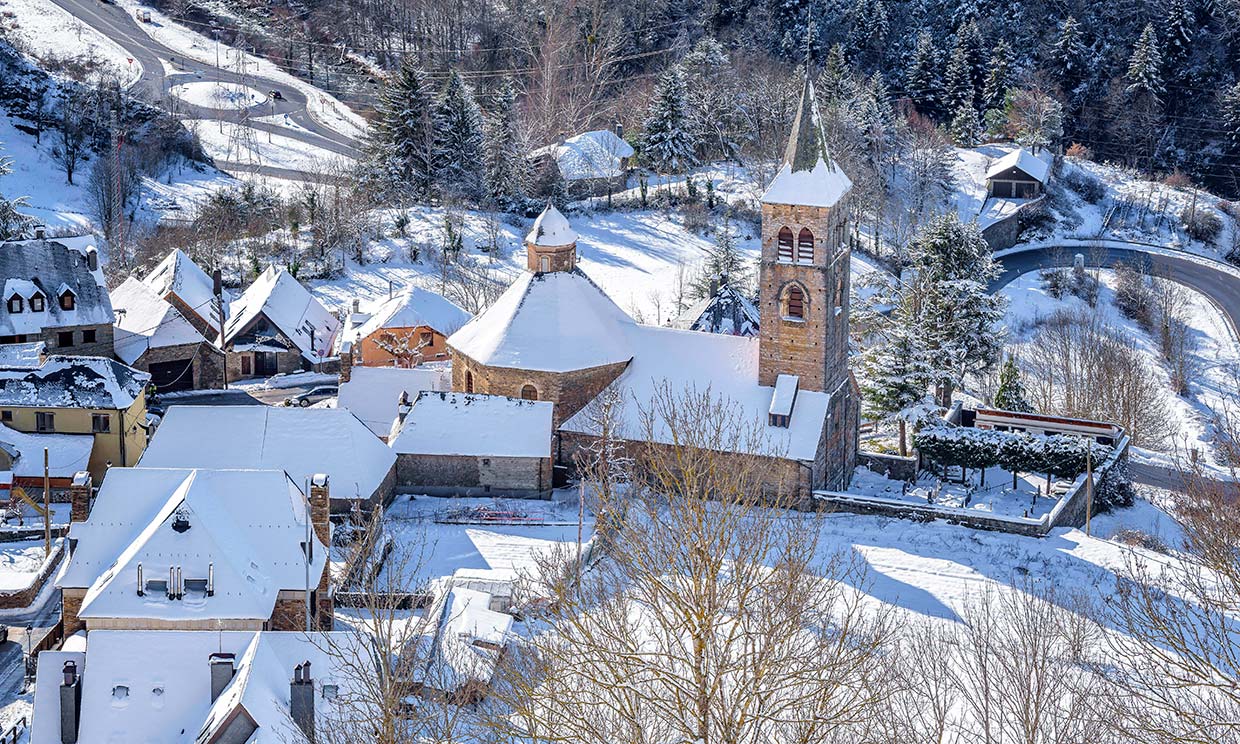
(668, 140)
(458, 138)
(958, 83)
(1230, 115)
(922, 80)
(1145, 67)
(506, 171)
(1067, 55)
(1011, 394)
(402, 145)
(725, 262)
(13, 223)
(966, 126)
(714, 111)
(896, 375)
(1177, 37)
(867, 33)
(998, 77)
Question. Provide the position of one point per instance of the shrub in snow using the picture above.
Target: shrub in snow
(1201, 223)
(1086, 186)
(1058, 454)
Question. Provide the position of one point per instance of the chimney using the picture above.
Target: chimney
(141, 586)
(92, 259)
(301, 700)
(79, 496)
(222, 671)
(320, 508)
(714, 286)
(40, 232)
(70, 704)
(217, 283)
(211, 579)
(346, 362)
(357, 304)
(619, 128)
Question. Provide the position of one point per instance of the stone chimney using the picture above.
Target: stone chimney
(301, 700)
(79, 496)
(346, 362)
(70, 704)
(222, 670)
(321, 508)
(40, 232)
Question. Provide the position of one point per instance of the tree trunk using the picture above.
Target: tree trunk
(903, 438)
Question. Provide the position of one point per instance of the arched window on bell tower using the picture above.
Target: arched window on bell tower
(785, 244)
(805, 246)
(794, 302)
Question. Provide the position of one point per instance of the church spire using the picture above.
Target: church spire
(808, 143)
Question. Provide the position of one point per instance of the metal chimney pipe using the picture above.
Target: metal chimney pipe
(211, 579)
(172, 583)
(141, 584)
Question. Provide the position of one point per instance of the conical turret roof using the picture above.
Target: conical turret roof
(808, 176)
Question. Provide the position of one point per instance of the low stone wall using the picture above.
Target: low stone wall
(24, 597)
(455, 475)
(892, 466)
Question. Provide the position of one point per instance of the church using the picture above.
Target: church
(555, 336)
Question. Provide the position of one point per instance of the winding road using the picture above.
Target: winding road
(1218, 281)
(156, 81)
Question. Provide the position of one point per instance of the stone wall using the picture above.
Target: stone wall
(559, 257)
(892, 466)
(208, 362)
(196, 317)
(474, 476)
(14, 600)
(569, 391)
(287, 362)
(104, 344)
(70, 606)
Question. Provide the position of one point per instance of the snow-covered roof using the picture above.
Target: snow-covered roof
(553, 322)
(166, 681)
(597, 154)
(372, 393)
(413, 307)
(47, 267)
(727, 311)
(178, 275)
(1038, 167)
(467, 640)
(727, 367)
(72, 382)
(290, 307)
(475, 425)
(809, 176)
(551, 228)
(299, 441)
(67, 453)
(145, 320)
(29, 354)
(785, 396)
(243, 526)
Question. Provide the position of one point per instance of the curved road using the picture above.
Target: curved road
(1211, 278)
(154, 83)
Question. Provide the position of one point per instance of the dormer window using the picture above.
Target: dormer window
(67, 299)
(15, 304)
(37, 303)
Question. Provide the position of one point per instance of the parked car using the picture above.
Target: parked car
(313, 395)
(276, 95)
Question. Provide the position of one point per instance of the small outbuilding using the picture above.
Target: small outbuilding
(466, 444)
(1019, 175)
(589, 164)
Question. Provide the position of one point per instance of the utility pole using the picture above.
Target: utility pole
(47, 505)
(1089, 484)
(218, 281)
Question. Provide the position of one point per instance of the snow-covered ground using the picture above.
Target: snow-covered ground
(996, 496)
(233, 143)
(48, 32)
(1217, 352)
(20, 563)
(218, 95)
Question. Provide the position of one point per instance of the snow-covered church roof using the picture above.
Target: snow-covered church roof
(809, 176)
(550, 322)
(551, 228)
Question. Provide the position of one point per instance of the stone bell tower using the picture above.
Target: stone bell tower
(803, 292)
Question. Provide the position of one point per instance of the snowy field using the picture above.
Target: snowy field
(426, 549)
(232, 143)
(49, 32)
(995, 496)
(218, 95)
(1217, 351)
(20, 562)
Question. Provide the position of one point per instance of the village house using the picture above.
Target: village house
(467, 444)
(373, 394)
(21, 456)
(405, 330)
(725, 310)
(208, 687)
(183, 284)
(89, 396)
(277, 327)
(298, 441)
(1013, 182)
(152, 335)
(588, 164)
(197, 549)
(54, 292)
(555, 336)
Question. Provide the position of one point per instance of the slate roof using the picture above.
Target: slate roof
(72, 382)
(49, 266)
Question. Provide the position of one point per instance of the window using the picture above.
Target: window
(64, 338)
(785, 244)
(544, 263)
(36, 304)
(469, 382)
(805, 246)
(100, 423)
(15, 304)
(776, 419)
(6, 415)
(66, 300)
(426, 338)
(529, 392)
(44, 422)
(88, 336)
(795, 307)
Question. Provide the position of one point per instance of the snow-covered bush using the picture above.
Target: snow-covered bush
(1089, 188)
(1060, 455)
(1201, 224)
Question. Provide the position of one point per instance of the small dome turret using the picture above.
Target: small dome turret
(551, 244)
